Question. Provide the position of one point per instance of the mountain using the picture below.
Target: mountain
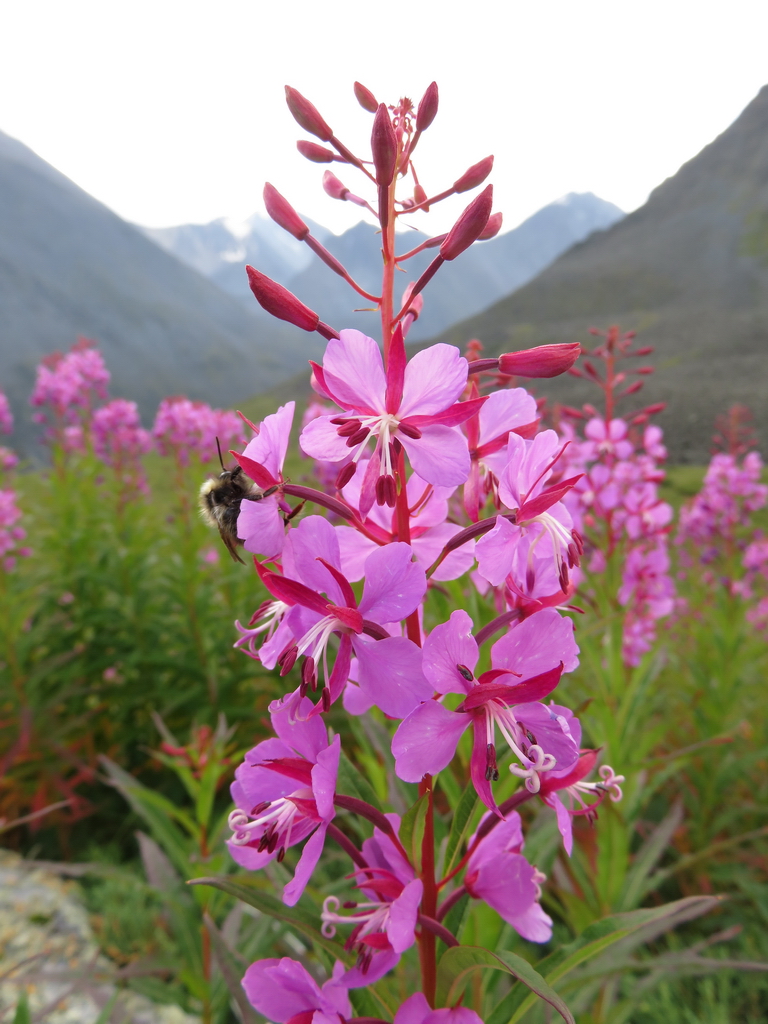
(688, 270)
(69, 267)
(219, 250)
(478, 278)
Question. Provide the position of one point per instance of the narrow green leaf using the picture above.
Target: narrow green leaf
(106, 1013)
(22, 1015)
(458, 963)
(352, 782)
(232, 971)
(460, 826)
(412, 830)
(648, 856)
(305, 922)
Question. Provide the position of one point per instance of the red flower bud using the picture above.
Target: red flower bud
(492, 228)
(632, 389)
(427, 108)
(365, 98)
(384, 146)
(282, 213)
(419, 196)
(653, 410)
(469, 225)
(335, 188)
(645, 351)
(307, 115)
(317, 154)
(543, 361)
(280, 302)
(475, 176)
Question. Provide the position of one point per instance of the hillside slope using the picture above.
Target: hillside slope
(689, 270)
(69, 266)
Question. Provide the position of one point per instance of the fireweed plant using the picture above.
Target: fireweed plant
(434, 482)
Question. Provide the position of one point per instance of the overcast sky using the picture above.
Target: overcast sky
(173, 112)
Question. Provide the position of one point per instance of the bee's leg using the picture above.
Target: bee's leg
(288, 516)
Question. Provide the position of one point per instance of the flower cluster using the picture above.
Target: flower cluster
(120, 441)
(616, 504)
(67, 387)
(426, 481)
(10, 532)
(8, 458)
(183, 429)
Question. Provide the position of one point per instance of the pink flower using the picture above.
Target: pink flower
(416, 1010)
(498, 873)
(10, 532)
(389, 668)
(260, 525)
(385, 923)
(534, 653)
(284, 793)
(284, 990)
(414, 404)
(6, 416)
(607, 439)
(120, 440)
(184, 428)
(571, 784)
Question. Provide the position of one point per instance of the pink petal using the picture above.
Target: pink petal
(429, 545)
(354, 548)
(261, 527)
(413, 1010)
(324, 778)
(271, 443)
(478, 763)
(319, 440)
(314, 538)
(354, 372)
(390, 674)
(394, 584)
(440, 456)
(448, 645)
(505, 837)
(310, 855)
(534, 925)
(551, 732)
(434, 380)
(402, 916)
(495, 551)
(457, 1015)
(508, 885)
(280, 989)
(308, 738)
(426, 741)
(504, 411)
(383, 962)
(564, 821)
(537, 644)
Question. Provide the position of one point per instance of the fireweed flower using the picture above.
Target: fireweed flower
(68, 386)
(284, 793)
(488, 437)
(416, 1010)
(384, 923)
(266, 625)
(120, 441)
(566, 792)
(389, 668)
(541, 519)
(10, 532)
(284, 991)
(6, 416)
(260, 524)
(498, 873)
(414, 403)
(428, 507)
(184, 428)
(526, 666)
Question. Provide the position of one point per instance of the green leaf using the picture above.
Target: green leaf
(106, 1013)
(22, 1015)
(648, 856)
(458, 963)
(412, 829)
(642, 925)
(302, 920)
(352, 782)
(460, 826)
(232, 971)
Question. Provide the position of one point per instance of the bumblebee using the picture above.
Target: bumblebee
(220, 503)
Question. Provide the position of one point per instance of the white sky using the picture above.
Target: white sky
(172, 111)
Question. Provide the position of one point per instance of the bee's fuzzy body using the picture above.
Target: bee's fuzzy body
(220, 504)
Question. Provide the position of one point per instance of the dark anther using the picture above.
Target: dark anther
(272, 842)
(465, 672)
(280, 855)
(309, 674)
(381, 498)
(409, 431)
(326, 699)
(349, 428)
(356, 438)
(491, 771)
(260, 808)
(349, 904)
(345, 475)
(287, 660)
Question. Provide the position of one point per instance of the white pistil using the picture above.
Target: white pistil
(375, 921)
(279, 814)
(533, 762)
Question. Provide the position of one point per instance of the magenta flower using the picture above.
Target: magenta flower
(498, 873)
(183, 428)
(389, 668)
(415, 404)
(607, 439)
(6, 416)
(260, 525)
(534, 653)
(488, 437)
(10, 532)
(284, 793)
(284, 990)
(384, 924)
(571, 784)
(541, 519)
(416, 1010)
(120, 440)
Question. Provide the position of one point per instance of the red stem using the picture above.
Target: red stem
(427, 943)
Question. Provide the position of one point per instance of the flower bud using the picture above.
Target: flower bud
(365, 98)
(281, 303)
(333, 187)
(475, 176)
(427, 108)
(384, 147)
(469, 225)
(419, 196)
(282, 213)
(543, 361)
(307, 115)
(492, 228)
(317, 154)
